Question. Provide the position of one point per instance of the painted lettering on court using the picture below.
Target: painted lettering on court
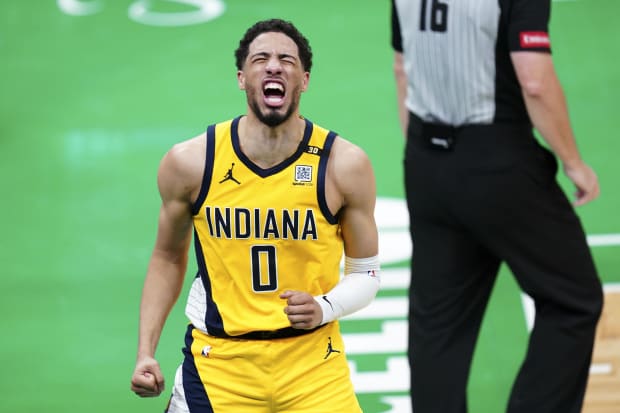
(145, 12)
(204, 10)
(80, 8)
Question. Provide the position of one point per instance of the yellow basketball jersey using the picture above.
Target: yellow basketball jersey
(259, 232)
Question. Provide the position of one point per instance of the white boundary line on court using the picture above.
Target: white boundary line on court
(603, 240)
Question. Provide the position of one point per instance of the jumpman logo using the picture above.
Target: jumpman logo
(330, 349)
(229, 176)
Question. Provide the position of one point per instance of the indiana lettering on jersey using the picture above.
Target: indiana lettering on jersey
(244, 223)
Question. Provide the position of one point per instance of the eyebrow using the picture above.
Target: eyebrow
(280, 55)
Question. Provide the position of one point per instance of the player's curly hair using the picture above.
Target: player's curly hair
(278, 26)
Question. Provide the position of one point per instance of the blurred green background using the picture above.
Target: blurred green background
(90, 100)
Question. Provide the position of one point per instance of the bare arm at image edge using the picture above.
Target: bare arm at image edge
(546, 105)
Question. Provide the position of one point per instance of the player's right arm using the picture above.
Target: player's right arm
(166, 270)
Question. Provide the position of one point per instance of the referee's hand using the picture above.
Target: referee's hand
(585, 180)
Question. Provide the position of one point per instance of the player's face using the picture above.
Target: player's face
(273, 78)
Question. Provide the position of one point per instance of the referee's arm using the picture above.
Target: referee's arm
(547, 108)
(399, 70)
(401, 91)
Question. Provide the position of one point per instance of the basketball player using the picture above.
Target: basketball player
(272, 200)
(475, 77)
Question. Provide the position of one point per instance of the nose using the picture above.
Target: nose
(273, 65)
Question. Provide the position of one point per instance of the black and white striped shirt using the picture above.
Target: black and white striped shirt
(457, 56)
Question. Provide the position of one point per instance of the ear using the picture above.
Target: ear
(241, 79)
(305, 81)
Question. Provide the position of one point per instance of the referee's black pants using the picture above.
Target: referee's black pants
(494, 198)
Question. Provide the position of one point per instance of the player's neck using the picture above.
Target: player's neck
(268, 146)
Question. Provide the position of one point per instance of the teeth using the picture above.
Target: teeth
(274, 85)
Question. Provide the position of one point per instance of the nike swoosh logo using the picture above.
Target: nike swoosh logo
(330, 304)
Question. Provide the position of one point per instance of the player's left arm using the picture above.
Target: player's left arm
(354, 181)
(350, 189)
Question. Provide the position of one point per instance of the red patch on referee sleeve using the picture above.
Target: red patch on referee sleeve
(531, 40)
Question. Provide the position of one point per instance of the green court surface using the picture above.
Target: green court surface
(92, 94)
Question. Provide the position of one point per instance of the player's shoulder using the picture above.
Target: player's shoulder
(346, 145)
(189, 155)
(185, 159)
(351, 171)
(188, 147)
(349, 155)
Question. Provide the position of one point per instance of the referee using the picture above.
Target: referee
(474, 79)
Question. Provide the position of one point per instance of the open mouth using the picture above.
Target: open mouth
(273, 93)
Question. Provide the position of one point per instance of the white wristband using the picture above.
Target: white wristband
(355, 290)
